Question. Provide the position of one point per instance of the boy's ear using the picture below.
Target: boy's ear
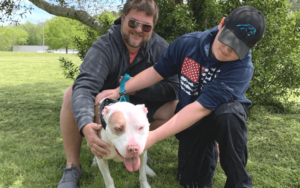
(221, 24)
(223, 21)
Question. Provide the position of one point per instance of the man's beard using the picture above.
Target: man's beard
(126, 39)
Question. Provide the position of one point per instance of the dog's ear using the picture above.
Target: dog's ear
(106, 110)
(142, 107)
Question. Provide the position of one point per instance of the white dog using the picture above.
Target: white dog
(126, 131)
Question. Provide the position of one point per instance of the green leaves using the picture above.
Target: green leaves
(10, 36)
(60, 32)
(174, 20)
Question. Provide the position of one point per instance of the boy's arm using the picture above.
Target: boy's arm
(142, 80)
(185, 118)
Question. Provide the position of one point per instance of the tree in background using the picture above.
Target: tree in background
(88, 35)
(295, 5)
(83, 11)
(84, 41)
(35, 35)
(175, 19)
(10, 36)
(10, 11)
(60, 32)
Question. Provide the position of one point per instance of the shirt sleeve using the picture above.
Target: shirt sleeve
(169, 63)
(93, 72)
(231, 84)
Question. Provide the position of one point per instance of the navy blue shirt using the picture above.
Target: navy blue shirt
(202, 77)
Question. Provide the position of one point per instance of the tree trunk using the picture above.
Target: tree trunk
(79, 15)
(67, 49)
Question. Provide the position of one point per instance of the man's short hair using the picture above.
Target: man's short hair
(148, 6)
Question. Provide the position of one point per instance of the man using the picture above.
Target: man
(130, 46)
(215, 69)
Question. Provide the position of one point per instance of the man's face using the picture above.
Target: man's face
(221, 51)
(136, 37)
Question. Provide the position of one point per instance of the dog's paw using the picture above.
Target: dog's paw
(94, 161)
(145, 184)
(150, 172)
(110, 186)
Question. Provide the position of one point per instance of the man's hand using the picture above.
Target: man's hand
(111, 93)
(97, 146)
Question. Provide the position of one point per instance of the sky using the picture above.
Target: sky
(36, 16)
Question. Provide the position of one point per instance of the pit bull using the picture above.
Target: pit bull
(126, 130)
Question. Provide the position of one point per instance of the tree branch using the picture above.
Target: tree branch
(78, 15)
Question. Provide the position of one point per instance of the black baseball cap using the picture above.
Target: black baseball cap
(244, 27)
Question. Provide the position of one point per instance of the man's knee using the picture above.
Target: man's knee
(67, 102)
(68, 94)
(166, 111)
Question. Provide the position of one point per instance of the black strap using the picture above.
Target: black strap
(104, 103)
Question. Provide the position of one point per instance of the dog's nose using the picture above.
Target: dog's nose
(133, 149)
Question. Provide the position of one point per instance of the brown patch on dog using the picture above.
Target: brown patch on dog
(117, 120)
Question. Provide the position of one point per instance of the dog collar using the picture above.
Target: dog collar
(105, 102)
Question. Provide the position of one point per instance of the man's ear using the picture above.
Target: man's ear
(122, 17)
(222, 23)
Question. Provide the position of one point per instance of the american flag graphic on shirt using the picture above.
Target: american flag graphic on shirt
(190, 73)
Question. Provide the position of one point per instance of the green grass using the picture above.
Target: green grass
(31, 147)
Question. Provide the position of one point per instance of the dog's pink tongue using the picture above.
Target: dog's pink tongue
(132, 164)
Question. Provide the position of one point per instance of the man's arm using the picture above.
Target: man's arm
(185, 118)
(93, 73)
(165, 90)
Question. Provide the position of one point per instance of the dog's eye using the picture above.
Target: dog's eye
(118, 129)
(141, 128)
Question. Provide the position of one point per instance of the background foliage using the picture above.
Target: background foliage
(275, 59)
(60, 33)
(10, 36)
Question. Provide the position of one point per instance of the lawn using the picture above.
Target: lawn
(31, 147)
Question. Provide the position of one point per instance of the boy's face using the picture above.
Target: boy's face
(221, 51)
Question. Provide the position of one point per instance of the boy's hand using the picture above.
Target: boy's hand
(151, 140)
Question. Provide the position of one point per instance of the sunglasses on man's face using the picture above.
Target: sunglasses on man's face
(134, 24)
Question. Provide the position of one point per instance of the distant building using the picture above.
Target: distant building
(39, 49)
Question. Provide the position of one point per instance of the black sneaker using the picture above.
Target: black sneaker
(70, 178)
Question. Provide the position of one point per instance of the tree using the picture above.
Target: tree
(10, 10)
(10, 36)
(88, 36)
(35, 36)
(84, 42)
(175, 19)
(60, 32)
(295, 5)
(80, 10)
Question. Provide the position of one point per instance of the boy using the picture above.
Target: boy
(214, 68)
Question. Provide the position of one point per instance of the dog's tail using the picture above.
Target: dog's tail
(150, 172)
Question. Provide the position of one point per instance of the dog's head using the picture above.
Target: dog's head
(127, 129)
